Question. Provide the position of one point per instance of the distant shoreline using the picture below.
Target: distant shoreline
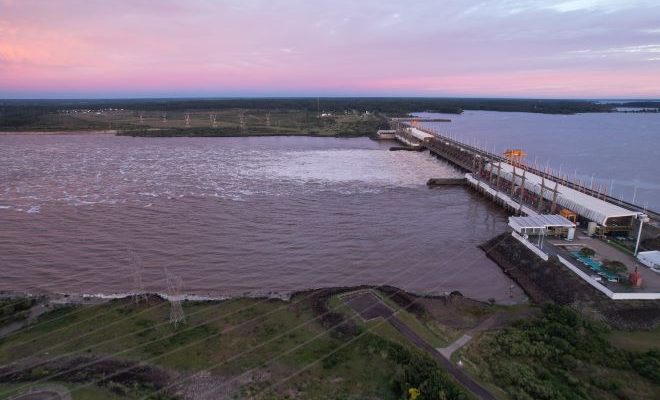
(127, 134)
(46, 133)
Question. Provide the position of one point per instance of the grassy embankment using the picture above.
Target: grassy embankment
(248, 345)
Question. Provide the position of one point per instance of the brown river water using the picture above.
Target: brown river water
(237, 216)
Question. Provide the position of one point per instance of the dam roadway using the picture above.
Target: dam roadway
(473, 159)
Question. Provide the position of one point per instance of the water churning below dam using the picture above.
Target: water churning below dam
(237, 216)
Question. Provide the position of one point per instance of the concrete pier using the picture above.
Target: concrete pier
(433, 182)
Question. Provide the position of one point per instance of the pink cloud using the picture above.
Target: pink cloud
(369, 47)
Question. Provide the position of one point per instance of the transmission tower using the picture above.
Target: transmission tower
(187, 120)
(268, 120)
(141, 116)
(174, 285)
(164, 116)
(212, 118)
(138, 286)
(242, 121)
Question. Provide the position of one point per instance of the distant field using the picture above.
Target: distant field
(252, 116)
(231, 122)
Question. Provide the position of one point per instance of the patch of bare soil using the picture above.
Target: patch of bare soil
(44, 392)
(208, 386)
(113, 373)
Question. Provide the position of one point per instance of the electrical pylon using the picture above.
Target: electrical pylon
(174, 285)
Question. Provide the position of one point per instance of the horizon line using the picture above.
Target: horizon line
(272, 97)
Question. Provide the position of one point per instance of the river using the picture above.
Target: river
(237, 216)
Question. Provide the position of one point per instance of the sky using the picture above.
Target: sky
(229, 48)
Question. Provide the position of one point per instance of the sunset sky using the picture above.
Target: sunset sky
(159, 48)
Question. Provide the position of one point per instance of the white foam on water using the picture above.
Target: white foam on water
(105, 175)
(372, 167)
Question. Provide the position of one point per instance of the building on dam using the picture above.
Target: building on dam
(532, 194)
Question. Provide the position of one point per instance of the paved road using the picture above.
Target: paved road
(449, 350)
(368, 306)
(463, 340)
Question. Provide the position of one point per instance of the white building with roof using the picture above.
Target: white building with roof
(543, 225)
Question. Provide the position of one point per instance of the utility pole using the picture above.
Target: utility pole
(540, 204)
(642, 218)
(554, 198)
(174, 285)
(242, 121)
(138, 288)
(522, 191)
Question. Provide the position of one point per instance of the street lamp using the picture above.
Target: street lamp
(642, 218)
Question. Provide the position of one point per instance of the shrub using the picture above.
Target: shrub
(587, 252)
(615, 267)
(557, 355)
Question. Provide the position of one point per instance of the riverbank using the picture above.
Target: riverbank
(310, 345)
(301, 348)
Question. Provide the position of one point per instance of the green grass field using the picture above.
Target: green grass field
(272, 349)
(252, 344)
(225, 122)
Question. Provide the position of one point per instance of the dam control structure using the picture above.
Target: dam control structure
(525, 190)
(547, 204)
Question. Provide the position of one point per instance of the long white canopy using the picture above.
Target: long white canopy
(581, 203)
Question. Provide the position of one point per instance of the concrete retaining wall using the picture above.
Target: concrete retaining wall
(612, 295)
(446, 181)
(530, 246)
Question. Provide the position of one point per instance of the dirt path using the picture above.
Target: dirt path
(44, 392)
(35, 312)
(369, 306)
